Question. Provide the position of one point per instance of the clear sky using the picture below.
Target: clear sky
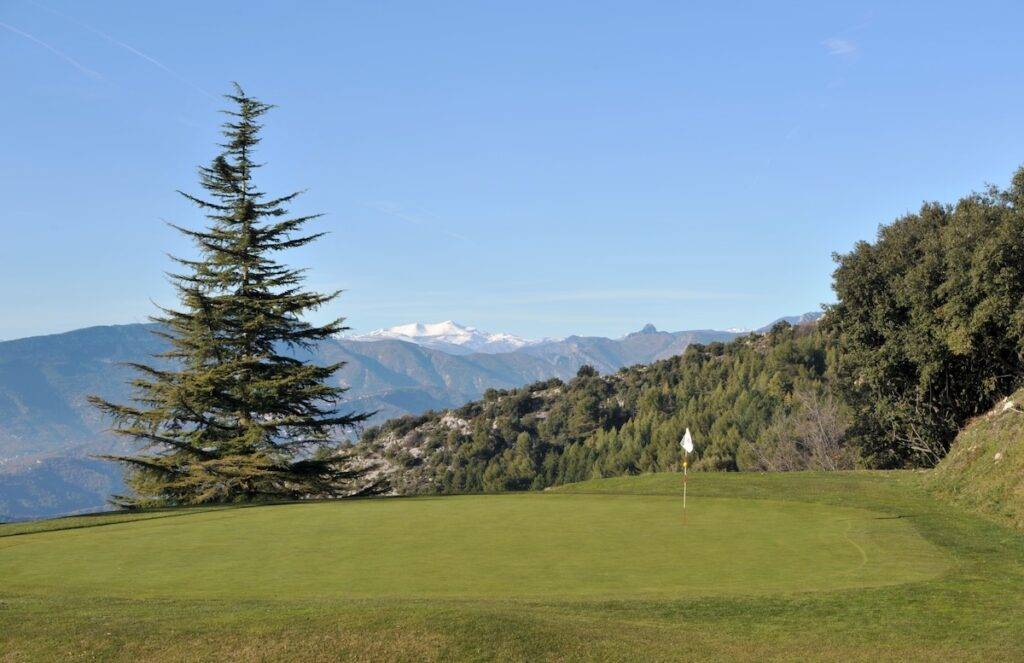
(540, 168)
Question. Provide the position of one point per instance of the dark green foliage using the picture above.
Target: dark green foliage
(629, 422)
(237, 417)
(930, 323)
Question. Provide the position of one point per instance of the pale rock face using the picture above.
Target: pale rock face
(454, 423)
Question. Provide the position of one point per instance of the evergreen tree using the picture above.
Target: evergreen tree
(235, 417)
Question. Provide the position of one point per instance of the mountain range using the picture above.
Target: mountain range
(48, 430)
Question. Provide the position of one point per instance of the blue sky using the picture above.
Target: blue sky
(539, 168)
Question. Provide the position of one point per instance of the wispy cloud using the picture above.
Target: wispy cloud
(56, 51)
(839, 47)
(134, 51)
(427, 221)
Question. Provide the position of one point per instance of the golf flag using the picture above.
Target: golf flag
(687, 444)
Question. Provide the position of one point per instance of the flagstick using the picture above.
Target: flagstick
(685, 463)
(687, 445)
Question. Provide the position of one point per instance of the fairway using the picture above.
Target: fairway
(490, 546)
(845, 566)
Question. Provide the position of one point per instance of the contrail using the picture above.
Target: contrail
(59, 53)
(134, 51)
(393, 210)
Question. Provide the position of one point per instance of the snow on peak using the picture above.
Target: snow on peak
(449, 336)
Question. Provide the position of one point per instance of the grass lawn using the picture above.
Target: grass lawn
(855, 566)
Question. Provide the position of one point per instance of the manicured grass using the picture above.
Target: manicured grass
(857, 566)
(478, 547)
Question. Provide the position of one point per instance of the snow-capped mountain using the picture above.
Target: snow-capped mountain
(450, 337)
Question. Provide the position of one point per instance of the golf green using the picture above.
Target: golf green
(525, 546)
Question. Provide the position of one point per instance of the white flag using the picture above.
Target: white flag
(687, 442)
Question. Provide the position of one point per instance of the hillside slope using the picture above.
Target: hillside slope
(984, 469)
(628, 422)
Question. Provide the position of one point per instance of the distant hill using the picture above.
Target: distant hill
(44, 382)
(609, 355)
(57, 486)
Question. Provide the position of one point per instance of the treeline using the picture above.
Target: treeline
(927, 332)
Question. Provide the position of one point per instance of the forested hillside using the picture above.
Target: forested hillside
(759, 402)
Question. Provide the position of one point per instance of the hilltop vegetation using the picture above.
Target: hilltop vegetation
(748, 403)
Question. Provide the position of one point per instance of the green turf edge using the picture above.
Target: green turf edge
(97, 520)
